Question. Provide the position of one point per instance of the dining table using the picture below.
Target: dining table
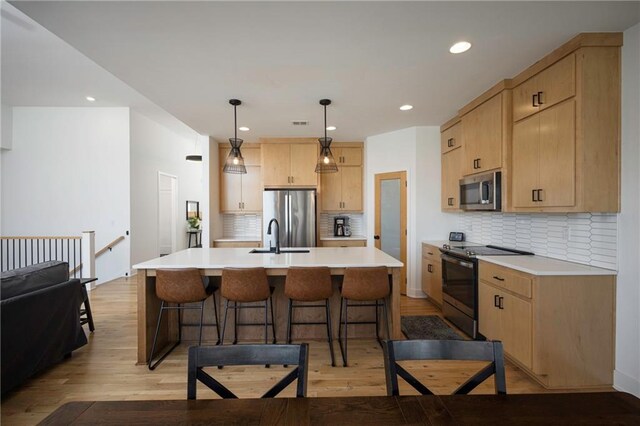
(601, 408)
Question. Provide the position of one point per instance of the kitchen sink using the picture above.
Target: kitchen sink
(264, 251)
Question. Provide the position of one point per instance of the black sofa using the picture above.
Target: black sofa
(40, 314)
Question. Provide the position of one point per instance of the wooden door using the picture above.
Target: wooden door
(525, 161)
(451, 138)
(393, 215)
(557, 155)
(482, 135)
(351, 188)
(252, 190)
(276, 164)
(303, 164)
(348, 156)
(523, 101)
(557, 83)
(488, 313)
(331, 191)
(516, 325)
(451, 174)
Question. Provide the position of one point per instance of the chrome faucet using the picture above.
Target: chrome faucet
(277, 233)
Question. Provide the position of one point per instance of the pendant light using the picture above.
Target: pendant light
(235, 162)
(326, 163)
(194, 157)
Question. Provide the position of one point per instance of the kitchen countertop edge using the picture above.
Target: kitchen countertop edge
(546, 266)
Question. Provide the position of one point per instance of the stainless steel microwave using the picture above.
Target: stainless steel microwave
(481, 192)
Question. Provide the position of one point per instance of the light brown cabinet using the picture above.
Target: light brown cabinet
(451, 173)
(289, 164)
(343, 243)
(237, 244)
(241, 193)
(347, 156)
(342, 191)
(451, 137)
(483, 135)
(432, 273)
(566, 149)
(558, 329)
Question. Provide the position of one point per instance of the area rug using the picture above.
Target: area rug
(429, 327)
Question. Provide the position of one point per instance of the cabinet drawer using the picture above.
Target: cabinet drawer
(451, 138)
(431, 252)
(237, 244)
(506, 278)
(343, 243)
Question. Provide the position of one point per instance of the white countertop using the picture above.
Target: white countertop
(439, 243)
(218, 258)
(540, 265)
(237, 239)
(332, 238)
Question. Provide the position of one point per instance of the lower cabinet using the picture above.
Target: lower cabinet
(432, 273)
(558, 329)
(343, 243)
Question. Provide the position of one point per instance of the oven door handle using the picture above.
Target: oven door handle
(457, 261)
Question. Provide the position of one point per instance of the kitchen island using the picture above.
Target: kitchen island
(211, 261)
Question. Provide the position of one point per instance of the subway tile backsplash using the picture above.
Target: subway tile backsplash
(242, 225)
(325, 222)
(588, 238)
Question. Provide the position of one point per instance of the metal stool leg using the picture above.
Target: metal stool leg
(343, 345)
(289, 321)
(386, 318)
(378, 324)
(235, 322)
(155, 340)
(266, 325)
(215, 313)
(87, 309)
(224, 322)
(329, 332)
(273, 321)
(201, 318)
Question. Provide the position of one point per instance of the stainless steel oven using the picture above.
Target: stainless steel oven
(459, 293)
(482, 192)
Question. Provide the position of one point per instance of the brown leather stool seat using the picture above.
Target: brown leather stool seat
(364, 285)
(246, 285)
(309, 285)
(180, 287)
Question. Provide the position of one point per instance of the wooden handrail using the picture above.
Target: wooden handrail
(41, 238)
(99, 252)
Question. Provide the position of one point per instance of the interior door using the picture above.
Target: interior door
(167, 202)
(391, 218)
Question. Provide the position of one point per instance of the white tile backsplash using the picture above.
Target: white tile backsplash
(589, 238)
(241, 225)
(325, 222)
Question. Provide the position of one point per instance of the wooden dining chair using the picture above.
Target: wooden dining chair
(210, 356)
(458, 350)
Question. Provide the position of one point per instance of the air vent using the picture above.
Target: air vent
(300, 122)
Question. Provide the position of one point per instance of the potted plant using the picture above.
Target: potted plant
(193, 223)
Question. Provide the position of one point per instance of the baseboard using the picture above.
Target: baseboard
(625, 383)
(416, 294)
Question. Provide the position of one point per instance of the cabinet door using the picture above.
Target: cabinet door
(451, 138)
(488, 313)
(276, 164)
(303, 164)
(451, 174)
(516, 325)
(252, 190)
(230, 192)
(436, 283)
(351, 188)
(557, 83)
(557, 155)
(251, 154)
(523, 105)
(525, 161)
(331, 191)
(351, 156)
(482, 135)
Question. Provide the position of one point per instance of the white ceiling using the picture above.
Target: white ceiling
(281, 58)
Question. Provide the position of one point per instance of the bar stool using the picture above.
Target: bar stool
(246, 285)
(182, 286)
(363, 285)
(309, 285)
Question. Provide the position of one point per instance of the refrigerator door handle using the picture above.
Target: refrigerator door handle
(287, 220)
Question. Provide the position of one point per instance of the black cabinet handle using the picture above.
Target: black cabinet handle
(500, 299)
(376, 237)
(533, 195)
(539, 192)
(495, 300)
(535, 100)
(429, 253)
(479, 166)
(540, 98)
(498, 278)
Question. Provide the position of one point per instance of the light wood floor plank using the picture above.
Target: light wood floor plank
(105, 368)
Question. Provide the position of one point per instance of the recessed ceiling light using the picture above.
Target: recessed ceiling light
(244, 129)
(90, 98)
(331, 128)
(406, 107)
(460, 47)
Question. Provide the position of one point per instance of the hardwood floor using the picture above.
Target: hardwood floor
(105, 368)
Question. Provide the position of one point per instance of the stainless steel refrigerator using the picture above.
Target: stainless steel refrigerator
(295, 211)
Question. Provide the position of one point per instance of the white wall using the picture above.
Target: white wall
(415, 150)
(154, 148)
(6, 123)
(627, 373)
(68, 172)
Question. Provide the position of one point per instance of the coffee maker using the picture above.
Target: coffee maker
(341, 226)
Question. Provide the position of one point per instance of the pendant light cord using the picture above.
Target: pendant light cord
(235, 124)
(325, 123)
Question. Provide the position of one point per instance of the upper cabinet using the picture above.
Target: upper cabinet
(452, 162)
(241, 193)
(342, 191)
(566, 132)
(483, 132)
(289, 164)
